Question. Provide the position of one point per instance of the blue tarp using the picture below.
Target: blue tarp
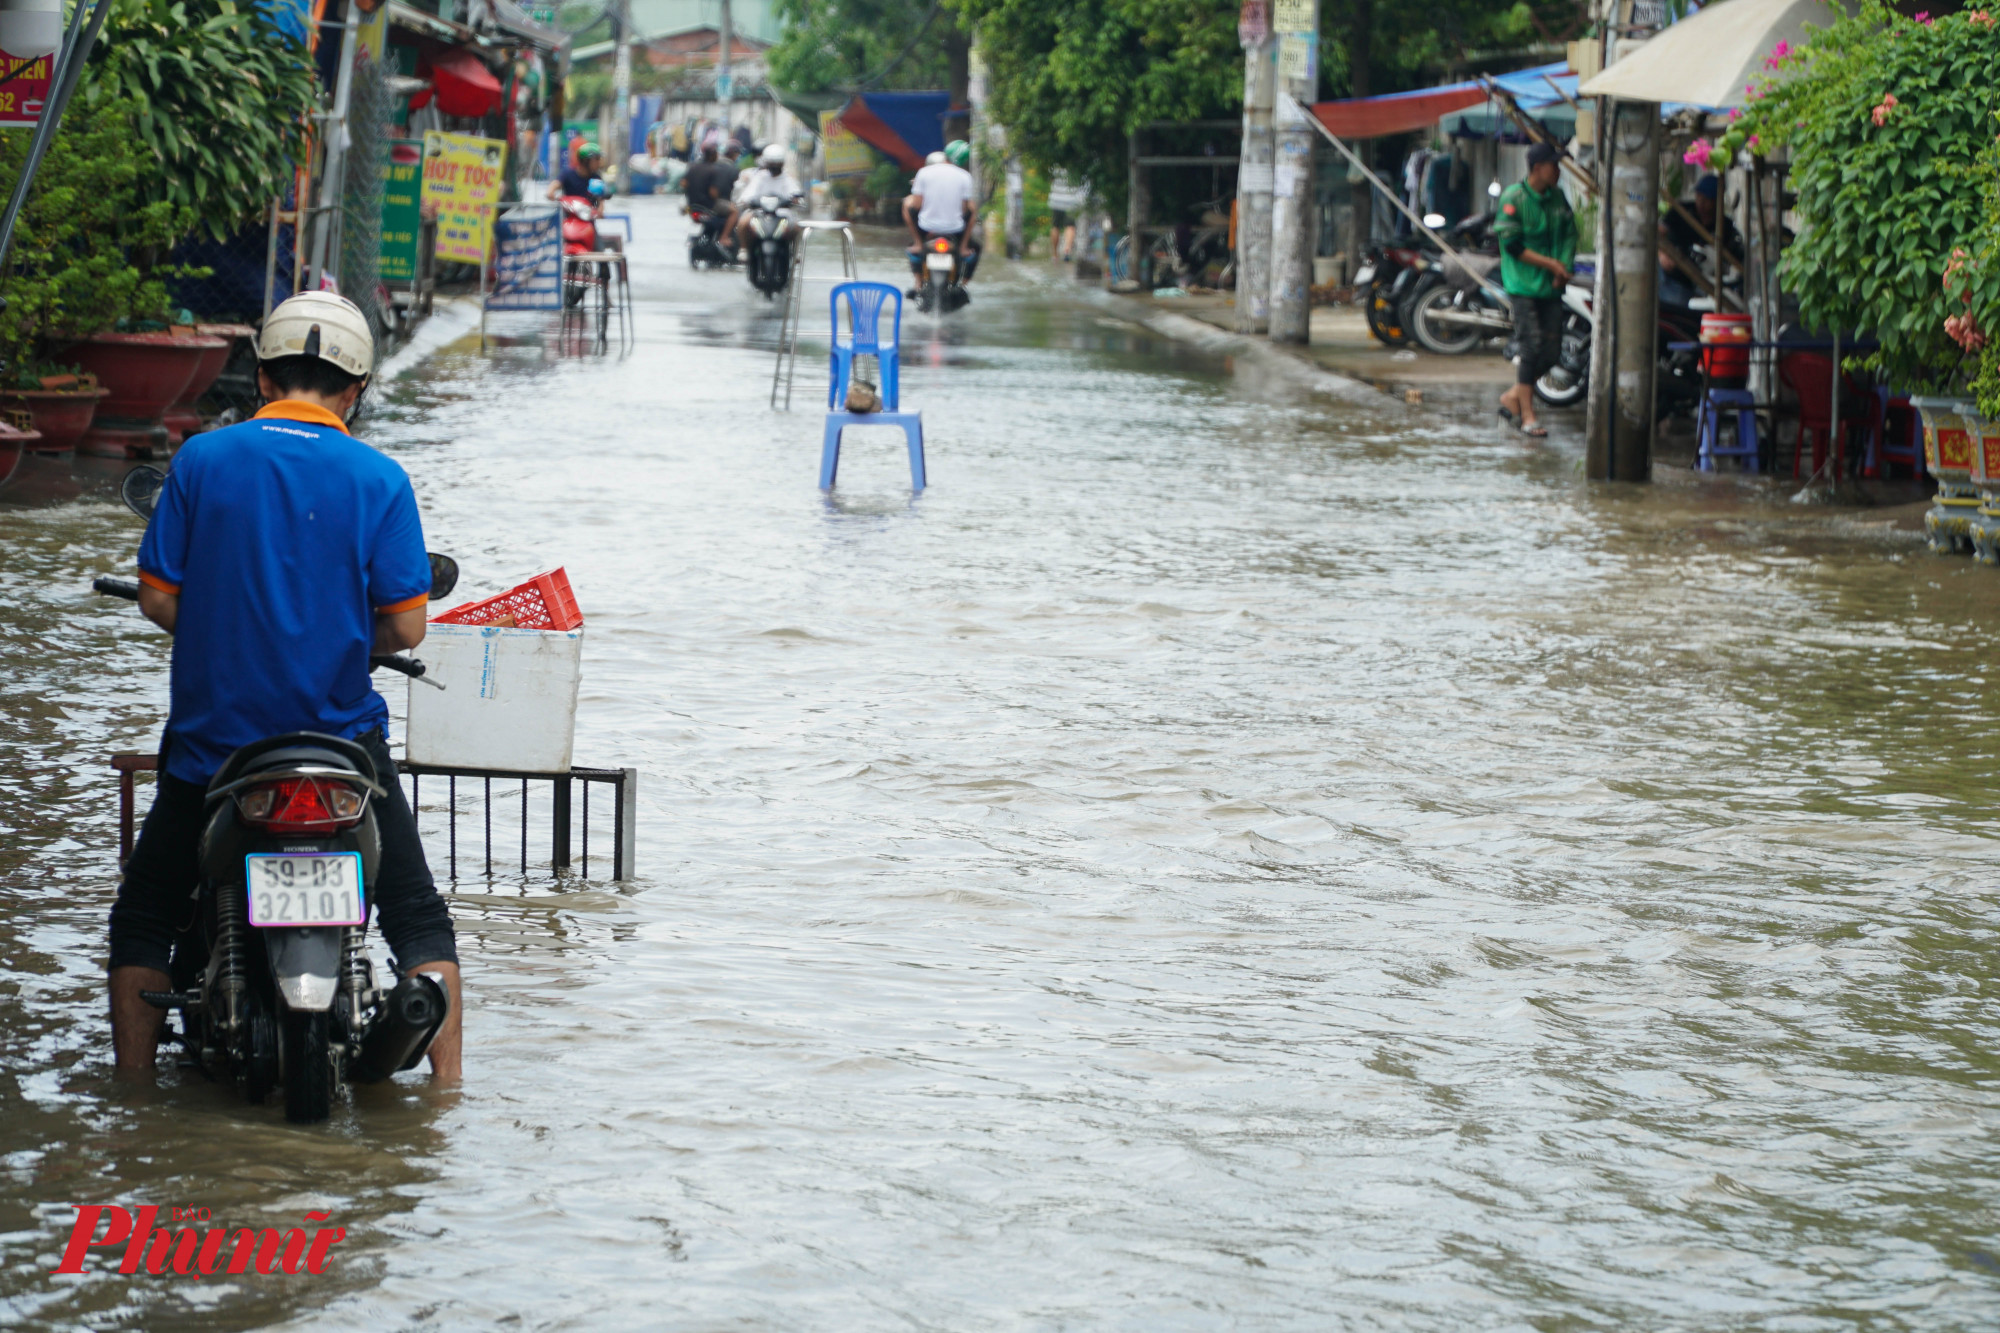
(1531, 88)
(905, 126)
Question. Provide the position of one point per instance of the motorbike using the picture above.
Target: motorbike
(768, 248)
(1375, 285)
(273, 983)
(704, 250)
(941, 291)
(579, 237)
(1677, 374)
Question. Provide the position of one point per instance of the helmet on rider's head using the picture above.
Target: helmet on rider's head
(321, 325)
(773, 155)
(933, 159)
(958, 152)
(588, 150)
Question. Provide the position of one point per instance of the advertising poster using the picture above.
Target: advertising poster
(846, 154)
(527, 269)
(401, 214)
(462, 176)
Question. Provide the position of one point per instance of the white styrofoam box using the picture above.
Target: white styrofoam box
(509, 698)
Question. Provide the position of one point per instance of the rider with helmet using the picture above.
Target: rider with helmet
(770, 179)
(943, 201)
(586, 181)
(708, 184)
(282, 555)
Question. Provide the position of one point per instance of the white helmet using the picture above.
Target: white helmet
(773, 155)
(934, 159)
(320, 324)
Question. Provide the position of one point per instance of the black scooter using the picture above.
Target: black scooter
(768, 245)
(273, 981)
(704, 249)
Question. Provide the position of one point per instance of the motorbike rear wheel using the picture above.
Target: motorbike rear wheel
(1383, 319)
(260, 1070)
(308, 1069)
(1435, 335)
(1568, 381)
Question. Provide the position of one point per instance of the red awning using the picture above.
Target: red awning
(1396, 113)
(461, 81)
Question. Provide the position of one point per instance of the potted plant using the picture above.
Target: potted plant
(73, 273)
(60, 405)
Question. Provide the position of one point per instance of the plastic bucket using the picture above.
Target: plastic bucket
(1725, 350)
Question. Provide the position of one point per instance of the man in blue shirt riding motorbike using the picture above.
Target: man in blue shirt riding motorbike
(282, 555)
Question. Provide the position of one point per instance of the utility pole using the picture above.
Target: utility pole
(1623, 353)
(1017, 212)
(1253, 171)
(621, 95)
(725, 89)
(1294, 218)
(1620, 447)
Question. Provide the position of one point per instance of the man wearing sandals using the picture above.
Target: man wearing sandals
(1537, 235)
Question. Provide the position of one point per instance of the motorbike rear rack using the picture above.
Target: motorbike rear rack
(563, 822)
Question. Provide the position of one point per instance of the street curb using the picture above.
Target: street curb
(1294, 367)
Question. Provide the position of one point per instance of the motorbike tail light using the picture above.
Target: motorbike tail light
(301, 806)
(940, 245)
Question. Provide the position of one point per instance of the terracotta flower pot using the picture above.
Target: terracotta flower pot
(184, 417)
(61, 415)
(145, 373)
(1952, 444)
(14, 444)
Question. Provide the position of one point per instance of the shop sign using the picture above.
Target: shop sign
(401, 214)
(463, 175)
(24, 85)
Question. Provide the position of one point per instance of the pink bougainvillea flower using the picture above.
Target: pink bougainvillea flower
(1980, 17)
(1880, 114)
(1751, 142)
(1736, 113)
(1698, 153)
(1778, 54)
(1924, 17)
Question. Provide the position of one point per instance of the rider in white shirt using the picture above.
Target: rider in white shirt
(770, 178)
(941, 202)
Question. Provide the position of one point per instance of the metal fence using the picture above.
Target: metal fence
(369, 129)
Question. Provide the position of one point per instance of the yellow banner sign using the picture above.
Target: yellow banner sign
(462, 178)
(846, 154)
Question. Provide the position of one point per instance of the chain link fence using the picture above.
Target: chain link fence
(369, 129)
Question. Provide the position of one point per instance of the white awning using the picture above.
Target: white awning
(1710, 59)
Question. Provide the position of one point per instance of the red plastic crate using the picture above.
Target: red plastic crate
(543, 602)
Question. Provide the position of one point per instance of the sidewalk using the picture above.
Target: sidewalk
(1467, 388)
(1341, 343)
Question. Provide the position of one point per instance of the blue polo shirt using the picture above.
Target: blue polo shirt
(283, 537)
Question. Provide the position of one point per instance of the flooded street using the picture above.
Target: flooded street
(1219, 858)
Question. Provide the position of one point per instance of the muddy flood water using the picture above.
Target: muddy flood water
(1221, 858)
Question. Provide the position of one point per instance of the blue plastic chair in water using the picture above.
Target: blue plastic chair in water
(863, 337)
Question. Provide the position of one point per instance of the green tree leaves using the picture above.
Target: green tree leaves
(1888, 189)
(217, 96)
(70, 272)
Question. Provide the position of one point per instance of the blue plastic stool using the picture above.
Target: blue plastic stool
(1708, 429)
(836, 422)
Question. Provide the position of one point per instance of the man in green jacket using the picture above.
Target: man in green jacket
(1537, 235)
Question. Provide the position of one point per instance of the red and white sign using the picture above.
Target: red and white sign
(22, 95)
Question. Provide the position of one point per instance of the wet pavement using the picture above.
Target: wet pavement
(1222, 857)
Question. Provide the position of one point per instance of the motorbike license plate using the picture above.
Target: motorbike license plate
(305, 889)
(1365, 276)
(938, 263)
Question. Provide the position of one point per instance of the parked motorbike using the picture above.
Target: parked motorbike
(1375, 285)
(1677, 374)
(273, 983)
(941, 291)
(768, 247)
